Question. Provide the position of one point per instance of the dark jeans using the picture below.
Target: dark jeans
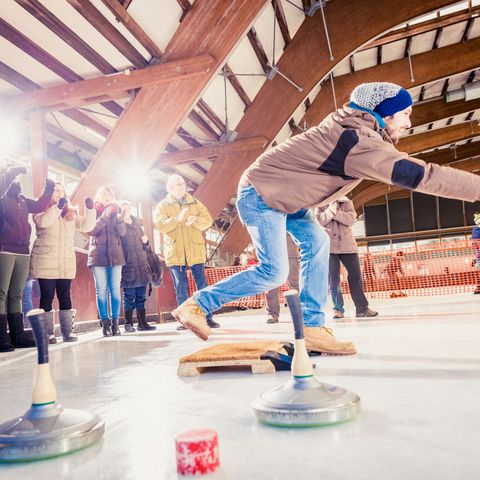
(134, 297)
(13, 275)
(180, 281)
(47, 292)
(352, 264)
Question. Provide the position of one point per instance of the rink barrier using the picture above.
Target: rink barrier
(428, 270)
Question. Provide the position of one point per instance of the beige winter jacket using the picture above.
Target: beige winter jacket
(53, 252)
(327, 161)
(337, 219)
(182, 245)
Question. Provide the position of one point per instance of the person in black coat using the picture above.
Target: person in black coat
(135, 273)
(105, 258)
(15, 254)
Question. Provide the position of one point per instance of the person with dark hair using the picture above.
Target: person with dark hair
(338, 218)
(135, 273)
(369, 273)
(15, 254)
(392, 270)
(277, 193)
(53, 260)
(476, 249)
(105, 258)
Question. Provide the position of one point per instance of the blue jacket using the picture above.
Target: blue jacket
(476, 241)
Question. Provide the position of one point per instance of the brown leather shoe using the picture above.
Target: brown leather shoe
(322, 340)
(338, 314)
(191, 316)
(367, 313)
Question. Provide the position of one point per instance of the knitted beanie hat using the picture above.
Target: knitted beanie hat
(383, 98)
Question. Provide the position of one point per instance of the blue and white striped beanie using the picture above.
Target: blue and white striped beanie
(383, 98)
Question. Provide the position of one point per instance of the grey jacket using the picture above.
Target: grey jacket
(337, 218)
(327, 161)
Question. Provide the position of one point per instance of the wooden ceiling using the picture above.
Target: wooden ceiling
(167, 81)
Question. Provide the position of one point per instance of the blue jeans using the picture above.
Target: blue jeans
(134, 297)
(107, 281)
(180, 281)
(268, 228)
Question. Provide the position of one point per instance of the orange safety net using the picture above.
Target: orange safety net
(422, 271)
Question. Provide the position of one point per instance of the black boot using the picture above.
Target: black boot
(51, 326)
(107, 328)
(67, 322)
(129, 328)
(20, 338)
(212, 323)
(5, 345)
(115, 329)
(142, 322)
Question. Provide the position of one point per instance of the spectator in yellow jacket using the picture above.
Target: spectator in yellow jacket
(182, 219)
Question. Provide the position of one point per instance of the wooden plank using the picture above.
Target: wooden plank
(43, 15)
(209, 152)
(90, 13)
(116, 85)
(196, 368)
(133, 27)
(158, 111)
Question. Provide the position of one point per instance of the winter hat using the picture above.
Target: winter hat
(383, 98)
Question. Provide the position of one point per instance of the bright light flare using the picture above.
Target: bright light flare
(9, 137)
(135, 181)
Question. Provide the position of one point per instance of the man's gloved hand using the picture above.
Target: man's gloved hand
(20, 170)
(49, 185)
(61, 203)
(89, 203)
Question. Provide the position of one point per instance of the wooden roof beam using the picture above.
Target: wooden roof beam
(23, 83)
(43, 15)
(414, 144)
(115, 86)
(93, 16)
(424, 27)
(155, 114)
(237, 86)
(258, 49)
(133, 27)
(209, 152)
(428, 67)
(211, 115)
(18, 39)
(282, 21)
(439, 109)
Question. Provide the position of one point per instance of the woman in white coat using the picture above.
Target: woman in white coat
(53, 260)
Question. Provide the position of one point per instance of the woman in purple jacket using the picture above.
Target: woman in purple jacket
(15, 254)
